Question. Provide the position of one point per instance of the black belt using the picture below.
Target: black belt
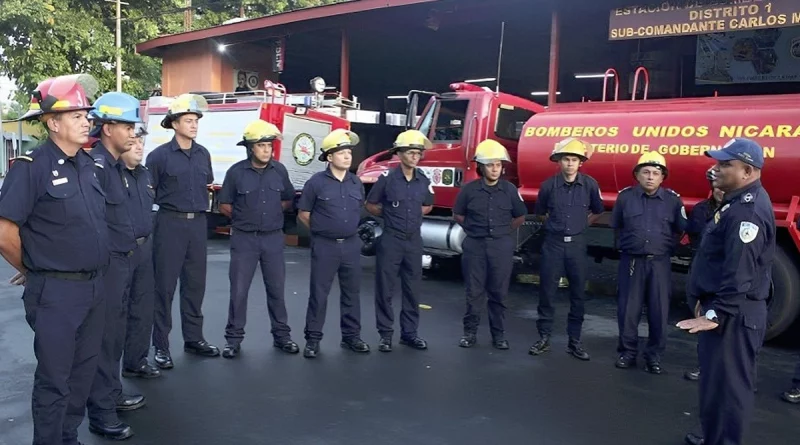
(644, 256)
(338, 240)
(72, 276)
(256, 232)
(564, 238)
(183, 215)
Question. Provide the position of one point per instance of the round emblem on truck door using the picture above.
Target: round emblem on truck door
(303, 149)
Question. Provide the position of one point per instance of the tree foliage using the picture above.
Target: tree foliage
(46, 38)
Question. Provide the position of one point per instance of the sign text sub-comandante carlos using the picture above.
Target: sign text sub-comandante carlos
(689, 17)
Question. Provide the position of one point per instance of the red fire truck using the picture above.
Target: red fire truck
(620, 131)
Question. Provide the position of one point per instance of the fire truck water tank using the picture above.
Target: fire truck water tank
(442, 235)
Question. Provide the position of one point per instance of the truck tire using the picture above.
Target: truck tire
(784, 306)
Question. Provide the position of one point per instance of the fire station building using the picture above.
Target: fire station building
(373, 52)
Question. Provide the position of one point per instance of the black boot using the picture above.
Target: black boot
(575, 349)
(541, 346)
(468, 341)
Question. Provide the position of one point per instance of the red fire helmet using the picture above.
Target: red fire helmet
(62, 93)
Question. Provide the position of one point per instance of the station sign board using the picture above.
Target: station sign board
(279, 55)
(693, 17)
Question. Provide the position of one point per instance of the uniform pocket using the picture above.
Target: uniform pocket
(58, 200)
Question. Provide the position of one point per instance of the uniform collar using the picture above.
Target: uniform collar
(347, 176)
(58, 155)
(561, 182)
(747, 190)
(176, 147)
(397, 172)
(658, 194)
(101, 149)
(490, 188)
(248, 164)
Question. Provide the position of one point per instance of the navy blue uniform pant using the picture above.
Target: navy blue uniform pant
(330, 257)
(140, 307)
(399, 258)
(728, 380)
(179, 252)
(643, 280)
(102, 403)
(67, 319)
(248, 250)
(560, 258)
(486, 264)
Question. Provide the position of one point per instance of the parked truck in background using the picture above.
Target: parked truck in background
(619, 131)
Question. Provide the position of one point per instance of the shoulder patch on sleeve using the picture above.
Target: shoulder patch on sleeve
(23, 158)
(683, 212)
(747, 231)
(430, 188)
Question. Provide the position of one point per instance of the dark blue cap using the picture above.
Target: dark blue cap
(740, 149)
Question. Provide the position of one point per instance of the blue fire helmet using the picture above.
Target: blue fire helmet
(114, 107)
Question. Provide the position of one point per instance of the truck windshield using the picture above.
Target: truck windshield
(449, 117)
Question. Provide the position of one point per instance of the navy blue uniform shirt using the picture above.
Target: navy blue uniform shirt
(118, 216)
(701, 214)
(140, 199)
(735, 257)
(181, 177)
(335, 205)
(59, 206)
(256, 195)
(402, 200)
(566, 205)
(648, 225)
(488, 210)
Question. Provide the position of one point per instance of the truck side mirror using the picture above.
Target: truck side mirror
(411, 111)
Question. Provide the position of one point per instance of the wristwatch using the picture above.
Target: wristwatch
(711, 315)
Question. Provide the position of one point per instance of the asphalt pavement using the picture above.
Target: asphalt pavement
(443, 396)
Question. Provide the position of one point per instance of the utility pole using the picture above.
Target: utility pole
(187, 16)
(119, 41)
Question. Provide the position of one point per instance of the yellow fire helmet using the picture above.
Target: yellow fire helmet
(652, 158)
(184, 104)
(489, 151)
(411, 140)
(259, 131)
(338, 139)
(574, 147)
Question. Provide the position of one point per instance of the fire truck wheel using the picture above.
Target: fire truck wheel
(784, 306)
(369, 230)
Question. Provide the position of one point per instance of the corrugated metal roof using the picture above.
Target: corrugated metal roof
(301, 15)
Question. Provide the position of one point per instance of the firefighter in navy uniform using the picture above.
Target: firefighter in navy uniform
(569, 202)
(330, 207)
(181, 171)
(648, 220)
(114, 116)
(402, 197)
(731, 277)
(255, 193)
(489, 209)
(700, 216)
(141, 296)
(53, 231)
